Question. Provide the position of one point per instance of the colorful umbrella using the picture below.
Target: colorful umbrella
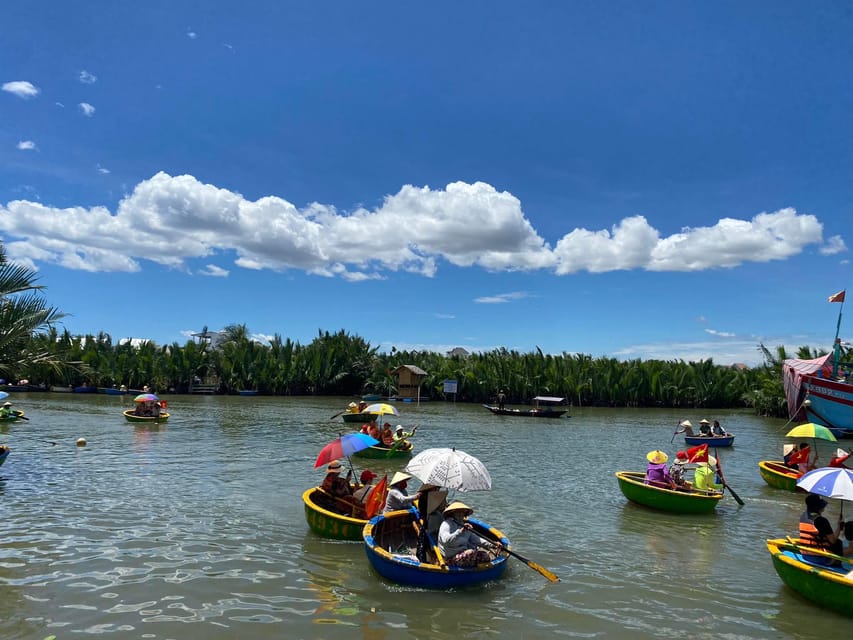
(811, 430)
(830, 482)
(343, 447)
(450, 469)
(381, 408)
(146, 397)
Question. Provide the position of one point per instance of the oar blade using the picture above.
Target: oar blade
(536, 567)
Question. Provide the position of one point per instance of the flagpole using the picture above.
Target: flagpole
(836, 345)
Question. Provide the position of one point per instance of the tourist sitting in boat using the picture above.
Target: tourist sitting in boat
(717, 430)
(457, 542)
(352, 407)
(6, 410)
(397, 497)
(704, 478)
(847, 545)
(816, 531)
(367, 477)
(676, 470)
(155, 409)
(373, 429)
(798, 457)
(657, 473)
(387, 438)
(686, 427)
(333, 483)
(361, 406)
(431, 505)
(704, 428)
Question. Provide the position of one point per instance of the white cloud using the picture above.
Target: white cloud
(26, 145)
(192, 35)
(87, 78)
(463, 224)
(502, 298)
(721, 334)
(102, 170)
(214, 271)
(833, 245)
(21, 88)
(444, 316)
(87, 109)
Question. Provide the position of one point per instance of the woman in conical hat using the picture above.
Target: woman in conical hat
(657, 473)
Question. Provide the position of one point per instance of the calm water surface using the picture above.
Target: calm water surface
(196, 529)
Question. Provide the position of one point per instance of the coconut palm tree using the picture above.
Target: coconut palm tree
(23, 314)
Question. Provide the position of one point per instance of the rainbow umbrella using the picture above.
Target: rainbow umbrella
(146, 397)
(811, 430)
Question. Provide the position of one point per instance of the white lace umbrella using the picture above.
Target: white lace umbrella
(450, 469)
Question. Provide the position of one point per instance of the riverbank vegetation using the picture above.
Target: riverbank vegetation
(347, 365)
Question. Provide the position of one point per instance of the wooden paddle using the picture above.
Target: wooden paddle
(337, 414)
(536, 567)
(813, 551)
(672, 439)
(723, 480)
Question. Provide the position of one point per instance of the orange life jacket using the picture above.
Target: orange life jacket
(809, 533)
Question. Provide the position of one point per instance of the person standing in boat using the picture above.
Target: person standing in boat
(501, 399)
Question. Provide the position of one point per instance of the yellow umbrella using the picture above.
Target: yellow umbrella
(381, 408)
(811, 430)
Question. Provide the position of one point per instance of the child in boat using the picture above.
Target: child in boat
(676, 471)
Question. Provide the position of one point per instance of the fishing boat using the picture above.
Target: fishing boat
(391, 542)
(686, 501)
(14, 416)
(543, 407)
(711, 441)
(820, 390)
(829, 587)
(4, 453)
(324, 517)
(85, 389)
(779, 475)
(132, 417)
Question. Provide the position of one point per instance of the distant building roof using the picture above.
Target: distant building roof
(416, 370)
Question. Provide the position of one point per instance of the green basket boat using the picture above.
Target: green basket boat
(778, 475)
(825, 586)
(632, 486)
(328, 523)
(13, 417)
(383, 453)
(131, 417)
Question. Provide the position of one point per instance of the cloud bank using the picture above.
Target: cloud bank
(173, 220)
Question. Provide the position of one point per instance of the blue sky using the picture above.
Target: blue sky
(638, 180)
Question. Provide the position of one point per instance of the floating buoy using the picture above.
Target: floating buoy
(81, 442)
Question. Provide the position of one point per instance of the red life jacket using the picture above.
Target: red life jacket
(809, 533)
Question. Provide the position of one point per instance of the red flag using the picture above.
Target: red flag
(838, 461)
(799, 456)
(698, 454)
(838, 297)
(376, 497)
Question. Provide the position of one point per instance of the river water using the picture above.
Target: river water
(196, 529)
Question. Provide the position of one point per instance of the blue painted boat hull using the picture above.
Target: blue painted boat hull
(407, 570)
(831, 405)
(716, 441)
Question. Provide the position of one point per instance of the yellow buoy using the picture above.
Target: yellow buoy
(81, 442)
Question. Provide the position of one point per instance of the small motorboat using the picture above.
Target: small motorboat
(543, 407)
(664, 499)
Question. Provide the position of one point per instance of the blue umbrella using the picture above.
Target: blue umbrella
(3, 394)
(830, 482)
